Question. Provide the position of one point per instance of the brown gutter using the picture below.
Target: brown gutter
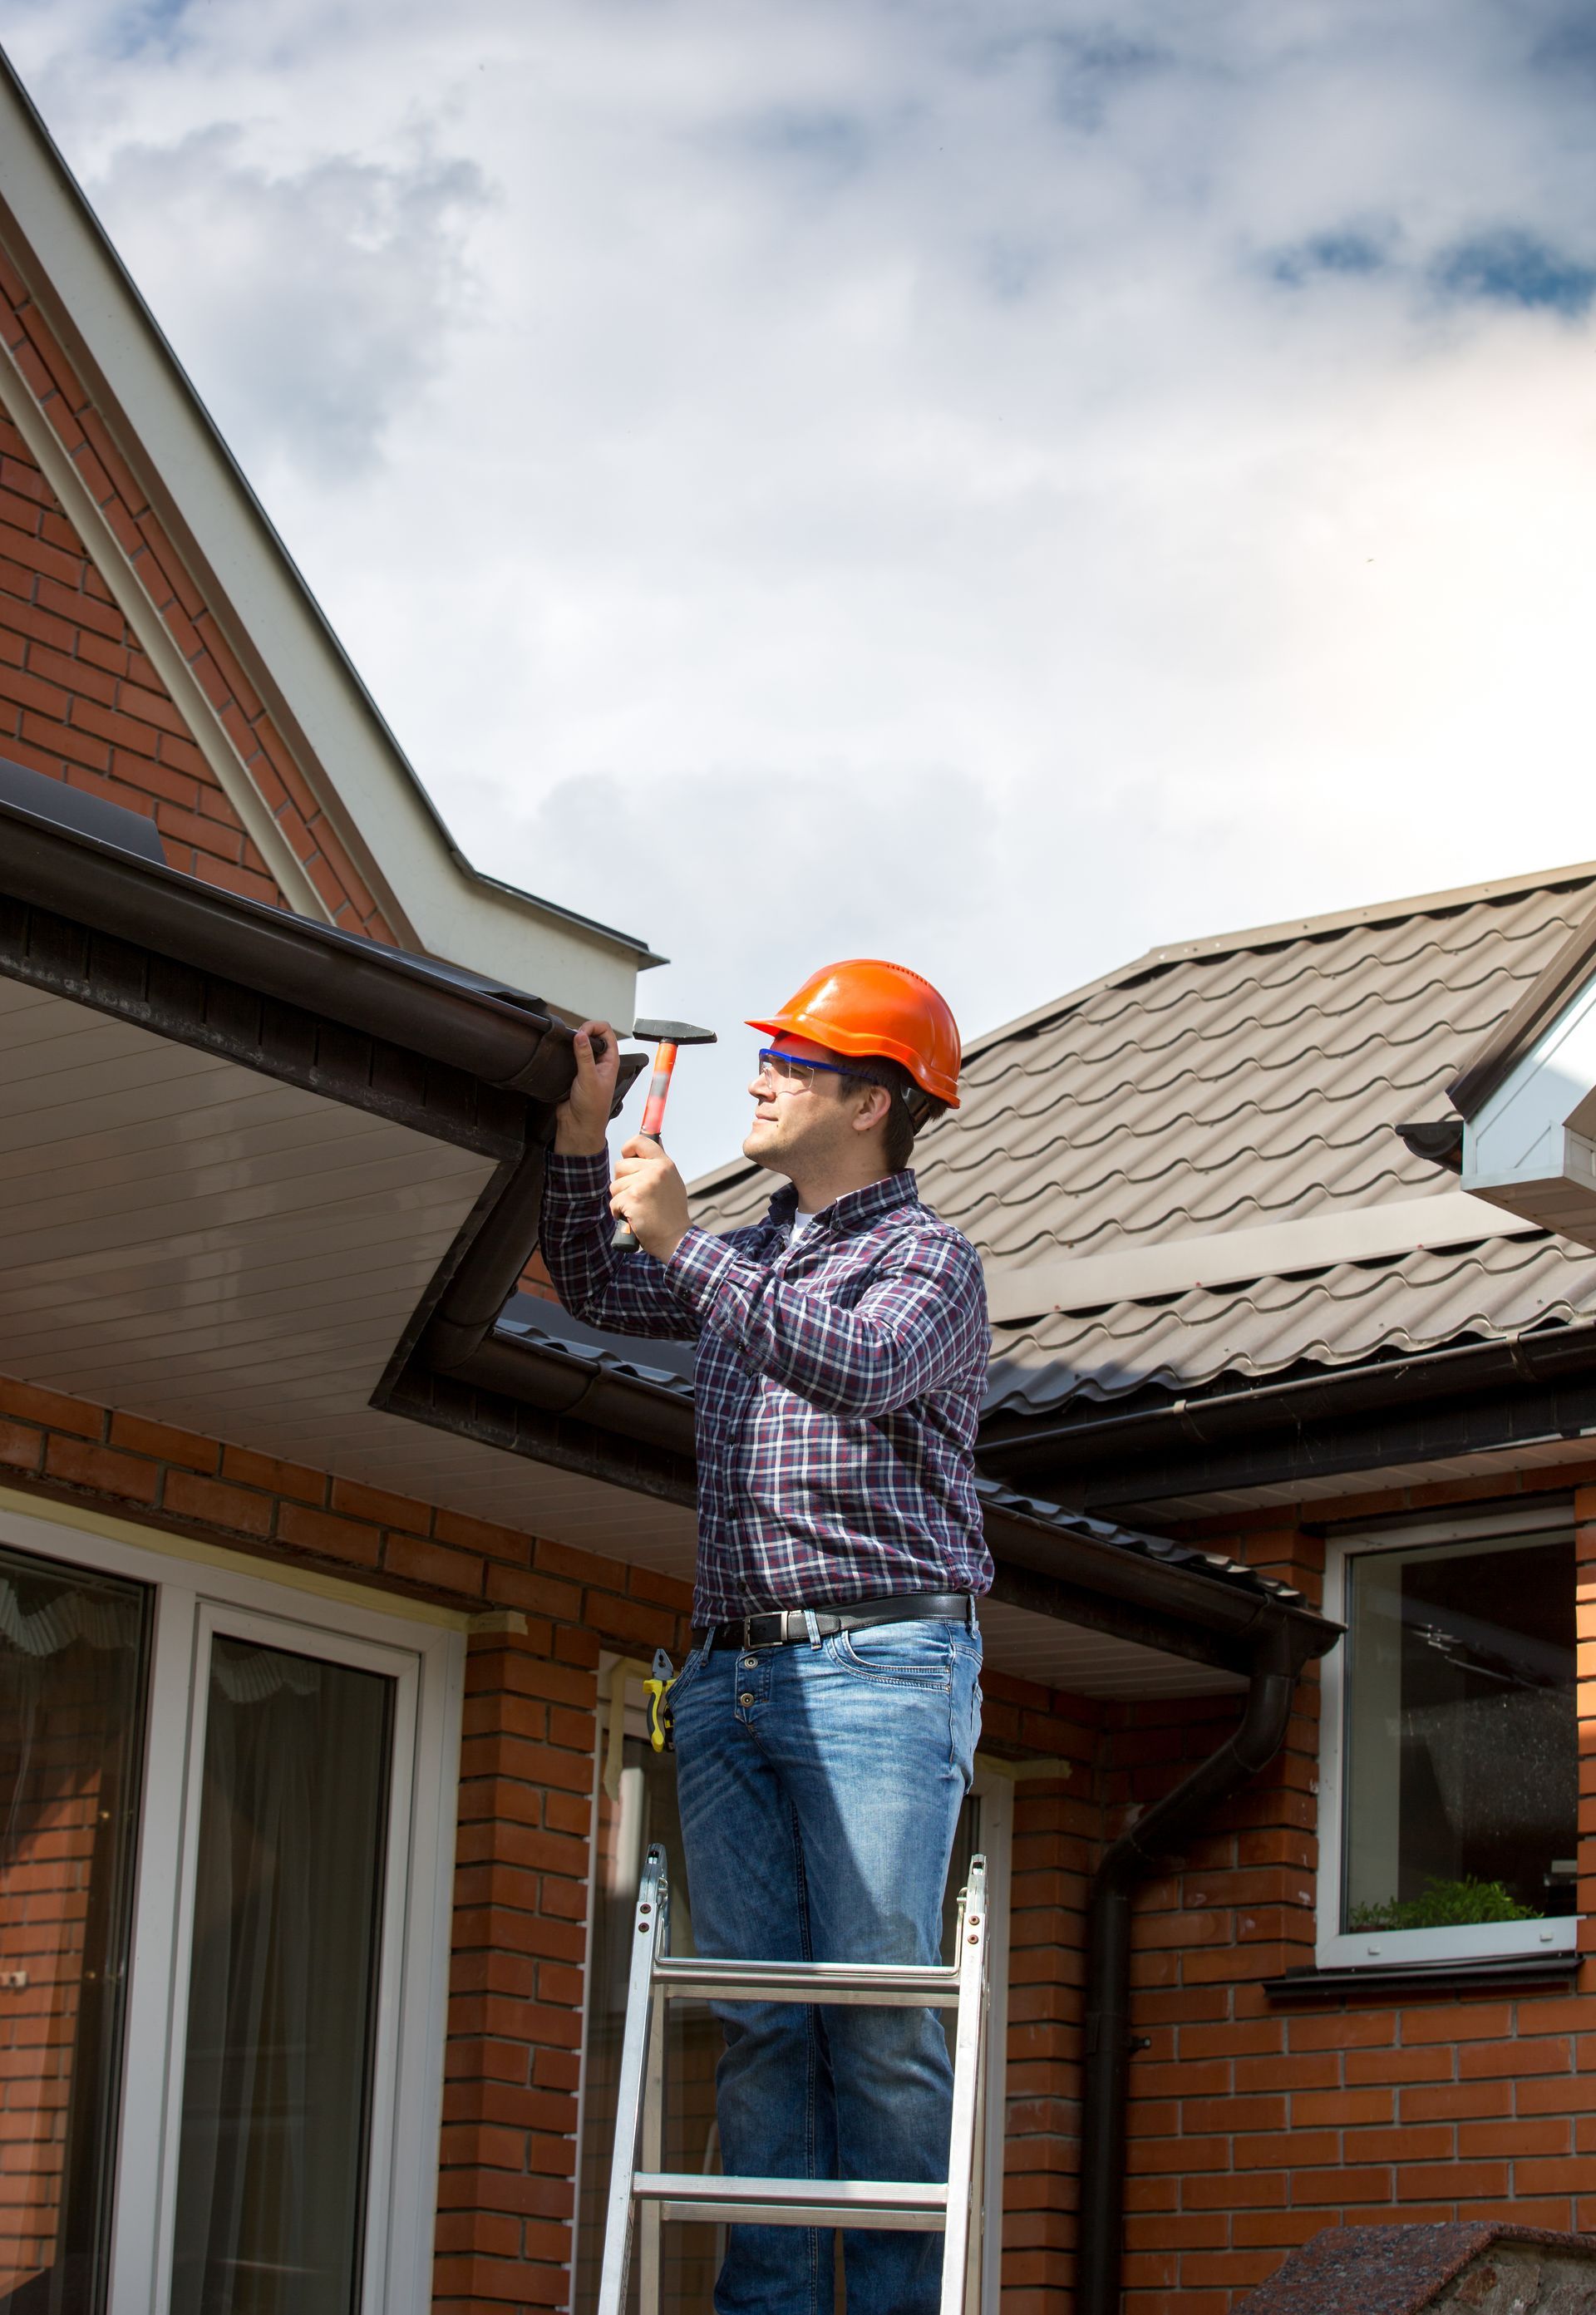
(426, 1008)
(1386, 1386)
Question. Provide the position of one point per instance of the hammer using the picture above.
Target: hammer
(665, 1036)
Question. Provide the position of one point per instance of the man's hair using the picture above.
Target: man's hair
(911, 1106)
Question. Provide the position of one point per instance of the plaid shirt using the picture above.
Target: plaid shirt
(836, 1382)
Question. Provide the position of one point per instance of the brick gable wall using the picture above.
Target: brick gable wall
(80, 701)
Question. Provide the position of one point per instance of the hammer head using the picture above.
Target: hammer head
(672, 1032)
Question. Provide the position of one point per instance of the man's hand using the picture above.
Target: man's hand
(581, 1121)
(649, 1193)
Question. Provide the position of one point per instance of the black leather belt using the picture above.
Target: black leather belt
(783, 1626)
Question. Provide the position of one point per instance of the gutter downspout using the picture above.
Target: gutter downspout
(1251, 1747)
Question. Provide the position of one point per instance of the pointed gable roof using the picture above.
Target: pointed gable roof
(149, 568)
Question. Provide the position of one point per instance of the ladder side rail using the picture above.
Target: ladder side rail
(629, 2092)
(961, 2221)
(975, 2266)
(650, 2271)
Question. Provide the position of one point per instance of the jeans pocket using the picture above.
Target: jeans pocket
(692, 1663)
(914, 1654)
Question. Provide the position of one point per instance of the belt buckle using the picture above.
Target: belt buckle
(748, 1632)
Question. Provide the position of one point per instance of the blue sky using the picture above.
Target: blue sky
(997, 485)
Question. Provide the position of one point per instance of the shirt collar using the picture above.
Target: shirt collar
(855, 1210)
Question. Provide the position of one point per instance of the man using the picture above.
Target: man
(826, 1721)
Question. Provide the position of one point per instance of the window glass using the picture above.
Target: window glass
(270, 2191)
(1462, 1772)
(645, 1812)
(72, 1682)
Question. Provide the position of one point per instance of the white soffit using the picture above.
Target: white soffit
(1057, 1655)
(189, 1240)
(442, 904)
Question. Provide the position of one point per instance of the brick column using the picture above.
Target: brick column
(1057, 1829)
(507, 2183)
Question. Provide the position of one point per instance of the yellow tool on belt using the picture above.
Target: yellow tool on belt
(657, 1688)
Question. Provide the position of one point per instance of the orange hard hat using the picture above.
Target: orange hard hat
(862, 1007)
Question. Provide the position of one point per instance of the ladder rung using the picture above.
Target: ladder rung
(886, 1986)
(795, 2202)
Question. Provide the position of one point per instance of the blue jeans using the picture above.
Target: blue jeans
(819, 1786)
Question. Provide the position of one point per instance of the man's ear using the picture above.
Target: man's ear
(874, 1110)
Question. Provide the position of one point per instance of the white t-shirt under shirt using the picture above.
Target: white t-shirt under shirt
(800, 1222)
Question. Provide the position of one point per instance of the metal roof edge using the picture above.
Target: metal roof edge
(117, 285)
(1079, 1431)
(1229, 1592)
(1259, 936)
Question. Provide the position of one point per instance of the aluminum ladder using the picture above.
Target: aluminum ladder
(643, 2196)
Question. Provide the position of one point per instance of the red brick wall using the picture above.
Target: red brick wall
(506, 2192)
(507, 2188)
(527, 1777)
(1254, 2124)
(78, 698)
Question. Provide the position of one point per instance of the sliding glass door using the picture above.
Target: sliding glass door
(222, 1941)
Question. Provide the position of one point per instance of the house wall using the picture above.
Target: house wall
(1255, 2124)
(527, 1777)
(79, 700)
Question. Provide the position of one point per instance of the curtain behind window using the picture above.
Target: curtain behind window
(270, 2196)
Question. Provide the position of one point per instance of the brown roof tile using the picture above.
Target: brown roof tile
(1228, 1086)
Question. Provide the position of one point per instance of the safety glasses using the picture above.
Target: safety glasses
(784, 1073)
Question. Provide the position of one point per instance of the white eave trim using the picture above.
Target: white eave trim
(1228, 1257)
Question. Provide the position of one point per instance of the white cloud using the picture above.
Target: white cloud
(325, 295)
(1000, 485)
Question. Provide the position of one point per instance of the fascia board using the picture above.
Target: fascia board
(437, 901)
(1226, 1258)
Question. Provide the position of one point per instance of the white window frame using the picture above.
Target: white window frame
(993, 1787)
(1385, 1949)
(194, 1598)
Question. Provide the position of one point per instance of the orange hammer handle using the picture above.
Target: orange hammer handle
(653, 1118)
(654, 1108)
